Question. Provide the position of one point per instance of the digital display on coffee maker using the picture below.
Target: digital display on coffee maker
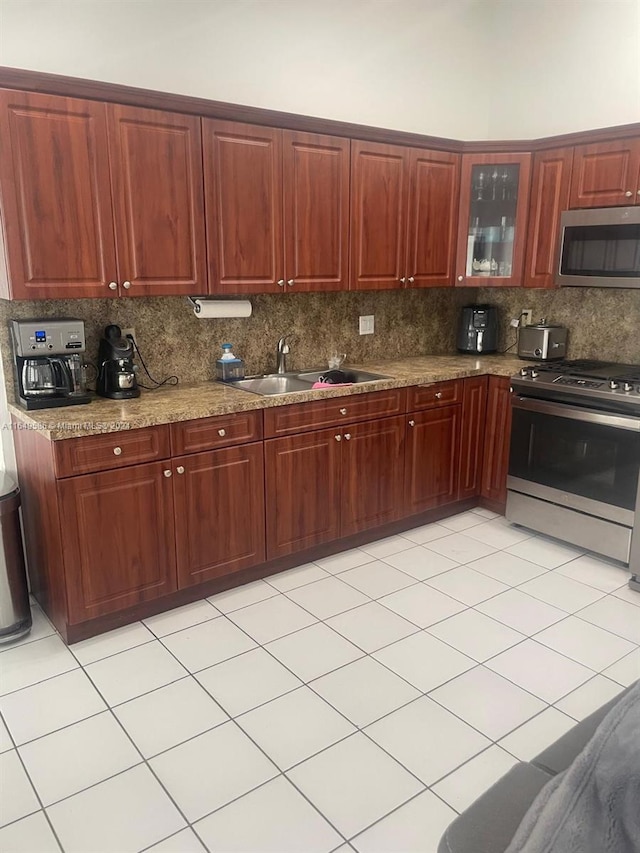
(41, 337)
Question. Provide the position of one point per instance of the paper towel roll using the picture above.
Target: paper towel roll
(207, 309)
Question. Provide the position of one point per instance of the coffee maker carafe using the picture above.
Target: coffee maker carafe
(48, 362)
(116, 371)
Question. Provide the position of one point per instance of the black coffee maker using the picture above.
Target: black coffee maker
(116, 371)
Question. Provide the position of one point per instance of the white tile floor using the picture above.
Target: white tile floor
(356, 704)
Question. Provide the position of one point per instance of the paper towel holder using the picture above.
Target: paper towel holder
(212, 308)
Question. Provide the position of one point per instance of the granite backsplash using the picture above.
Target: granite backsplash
(602, 324)
(173, 340)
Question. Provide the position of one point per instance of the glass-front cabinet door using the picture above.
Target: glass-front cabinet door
(493, 209)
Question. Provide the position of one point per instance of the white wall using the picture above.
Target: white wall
(469, 69)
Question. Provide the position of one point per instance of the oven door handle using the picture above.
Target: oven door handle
(574, 413)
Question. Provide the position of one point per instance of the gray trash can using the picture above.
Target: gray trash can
(15, 611)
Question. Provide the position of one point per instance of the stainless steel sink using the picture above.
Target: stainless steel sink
(272, 384)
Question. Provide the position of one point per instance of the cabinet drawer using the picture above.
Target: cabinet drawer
(112, 450)
(210, 433)
(285, 420)
(434, 395)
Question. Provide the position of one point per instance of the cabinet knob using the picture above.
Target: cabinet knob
(638, 193)
(180, 469)
(338, 437)
(117, 451)
(412, 423)
(403, 280)
(438, 395)
(290, 282)
(347, 436)
(167, 473)
(126, 285)
(628, 194)
(113, 285)
(343, 411)
(222, 433)
(280, 282)
(460, 278)
(411, 279)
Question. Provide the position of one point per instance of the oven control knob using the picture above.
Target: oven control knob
(524, 371)
(627, 386)
(534, 373)
(613, 384)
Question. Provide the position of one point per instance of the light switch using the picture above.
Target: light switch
(367, 324)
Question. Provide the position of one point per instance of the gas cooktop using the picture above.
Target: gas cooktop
(605, 384)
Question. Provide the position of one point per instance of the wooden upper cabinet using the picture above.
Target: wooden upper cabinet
(379, 192)
(550, 186)
(243, 195)
(56, 198)
(156, 171)
(606, 174)
(434, 181)
(316, 173)
(494, 201)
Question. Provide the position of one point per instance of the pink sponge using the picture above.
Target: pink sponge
(331, 384)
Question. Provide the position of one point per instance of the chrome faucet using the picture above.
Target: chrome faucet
(282, 350)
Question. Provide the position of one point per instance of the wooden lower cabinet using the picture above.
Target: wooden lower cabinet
(431, 458)
(497, 438)
(118, 539)
(472, 431)
(219, 512)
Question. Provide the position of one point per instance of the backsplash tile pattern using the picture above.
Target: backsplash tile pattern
(173, 341)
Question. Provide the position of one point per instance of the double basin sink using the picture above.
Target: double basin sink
(271, 384)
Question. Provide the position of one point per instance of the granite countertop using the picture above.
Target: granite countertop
(205, 399)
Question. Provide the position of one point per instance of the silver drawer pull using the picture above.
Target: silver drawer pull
(222, 433)
(180, 469)
(338, 437)
(113, 285)
(117, 451)
(167, 473)
(438, 395)
(343, 411)
(347, 436)
(126, 285)
(412, 423)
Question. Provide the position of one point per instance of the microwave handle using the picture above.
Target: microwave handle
(574, 413)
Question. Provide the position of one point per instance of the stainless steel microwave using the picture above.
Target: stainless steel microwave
(600, 247)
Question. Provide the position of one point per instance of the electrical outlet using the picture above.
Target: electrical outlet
(527, 316)
(132, 332)
(367, 324)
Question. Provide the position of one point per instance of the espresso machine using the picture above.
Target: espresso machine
(49, 368)
(116, 371)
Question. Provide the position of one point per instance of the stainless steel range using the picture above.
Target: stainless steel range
(574, 462)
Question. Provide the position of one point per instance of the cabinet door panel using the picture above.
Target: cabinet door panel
(549, 197)
(302, 483)
(118, 535)
(379, 190)
(156, 170)
(219, 509)
(497, 439)
(56, 197)
(372, 475)
(431, 459)
(243, 194)
(316, 211)
(474, 410)
(433, 212)
(604, 173)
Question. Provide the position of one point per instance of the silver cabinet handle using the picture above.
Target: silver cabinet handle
(412, 423)
(628, 194)
(222, 433)
(438, 395)
(180, 469)
(113, 285)
(126, 285)
(167, 473)
(343, 411)
(338, 437)
(290, 282)
(347, 436)
(403, 280)
(280, 282)
(411, 279)
(460, 278)
(117, 451)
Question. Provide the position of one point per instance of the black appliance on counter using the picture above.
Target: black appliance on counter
(116, 371)
(48, 363)
(574, 462)
(478, 329)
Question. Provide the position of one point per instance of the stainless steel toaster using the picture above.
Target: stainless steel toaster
(542, 342)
